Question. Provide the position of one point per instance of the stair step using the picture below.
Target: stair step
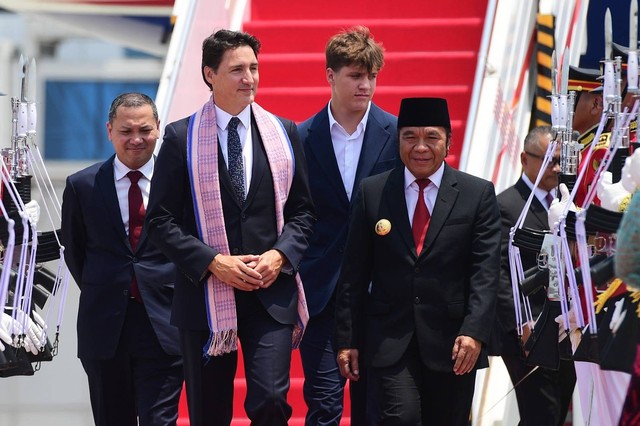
(329, 9)
(303, 102)
(294, 421)
(308, 35)
(401, 68)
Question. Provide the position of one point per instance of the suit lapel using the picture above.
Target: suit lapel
(224, 179)
(320, 144)
(397, 205)
(143, 234)
(259, 163)
(537, 212)
(445, 200)
(376, 138)
(106, 184)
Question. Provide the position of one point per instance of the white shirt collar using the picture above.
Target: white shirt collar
(120, 170)
(435, 178)
(539, 192)
(223, 117)
(361, 126)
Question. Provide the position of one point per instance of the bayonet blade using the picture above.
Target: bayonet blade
(22, 72)
(21, 67)
(608, 35)
(564, 83)
(31, 81)
(554, 74)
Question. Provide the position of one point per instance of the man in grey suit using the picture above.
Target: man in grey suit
(349, 139)
(419, 276)
(130, 352)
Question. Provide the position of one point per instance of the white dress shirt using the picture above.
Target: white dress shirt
(347, 148)
(123, 183)
(540, 194)
(244, 131)
(430, 192)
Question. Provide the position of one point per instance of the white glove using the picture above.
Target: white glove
(6, 323)
(42, 335)
(35, 336)
(8, 328)
(631, 172)
(612, 195)
(618, 316)
(32, 210)
(558, 206)
(575, 334)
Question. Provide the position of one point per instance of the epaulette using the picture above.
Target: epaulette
(612, 290)
(635, 298)
(605, 138)
(586, 138)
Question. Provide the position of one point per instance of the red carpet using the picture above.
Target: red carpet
(239, 418)
(431, 50)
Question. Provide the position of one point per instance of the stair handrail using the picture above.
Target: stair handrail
(504, 86)
(194, 21)
(239, 12)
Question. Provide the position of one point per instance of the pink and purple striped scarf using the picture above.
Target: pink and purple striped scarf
(202, 158)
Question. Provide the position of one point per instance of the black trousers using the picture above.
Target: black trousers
(323, 383)
(140, 383)
(410, 394)
(266, 349)
(543, 396)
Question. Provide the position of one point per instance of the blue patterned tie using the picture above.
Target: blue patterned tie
(234, 156)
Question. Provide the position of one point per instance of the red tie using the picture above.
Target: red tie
(136, 219)
(421, 216)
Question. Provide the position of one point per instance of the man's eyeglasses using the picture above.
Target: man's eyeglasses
(553, 162)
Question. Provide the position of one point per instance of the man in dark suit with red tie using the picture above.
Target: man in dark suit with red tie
(130, 352)
(419, 277)
(232, 209)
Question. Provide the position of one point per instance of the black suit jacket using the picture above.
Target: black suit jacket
(101, 261)
(251, 228)
(446, 291)
(505, 340)
(320, 266)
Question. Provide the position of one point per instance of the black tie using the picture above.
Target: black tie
(234, 154)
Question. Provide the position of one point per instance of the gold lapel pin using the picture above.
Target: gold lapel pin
(383, 227)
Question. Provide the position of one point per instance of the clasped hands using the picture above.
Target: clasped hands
(248, 272)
